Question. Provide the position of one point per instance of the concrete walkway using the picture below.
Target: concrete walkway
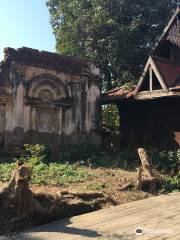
(157, 217)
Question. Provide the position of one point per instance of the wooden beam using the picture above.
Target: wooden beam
(150, 79)
(158, 75)
(145, 95)
(142, 77)
(150, 63)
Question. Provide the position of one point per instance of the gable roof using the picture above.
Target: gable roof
(168, 27)
(151, 63)
(166, 71)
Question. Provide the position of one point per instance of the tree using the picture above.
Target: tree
(116, 34)
(110, 117)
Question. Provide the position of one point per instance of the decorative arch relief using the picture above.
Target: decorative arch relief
(46, 95)
(48, 84)
(45, 92)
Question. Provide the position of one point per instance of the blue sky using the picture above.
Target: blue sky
(25, 23)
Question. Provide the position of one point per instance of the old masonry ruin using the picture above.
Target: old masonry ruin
(47, 98)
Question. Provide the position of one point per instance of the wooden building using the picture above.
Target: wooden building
(150, 113)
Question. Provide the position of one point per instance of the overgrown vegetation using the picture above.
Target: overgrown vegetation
(110, 117)
(49, 174)
(168, 162)
(58, 174)
(75, 153)
(6, 171)
(44, 172)
(172, 183)
(69, 165)
(34, 154)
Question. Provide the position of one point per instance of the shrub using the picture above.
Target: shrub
(172, 183)
(76, 152)
(85, 154)
(110, 116)
(34, 154)
(168, 161)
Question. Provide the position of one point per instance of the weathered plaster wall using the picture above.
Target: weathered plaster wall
(49, 106)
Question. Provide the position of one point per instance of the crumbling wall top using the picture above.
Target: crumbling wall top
(48, 60)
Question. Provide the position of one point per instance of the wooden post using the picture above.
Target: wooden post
(150, 79)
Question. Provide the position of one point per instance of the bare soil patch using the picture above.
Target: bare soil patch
(100, 191)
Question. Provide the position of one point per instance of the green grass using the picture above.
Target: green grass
(50, 168)
(6, 171)
(51, 174)
(95, 186)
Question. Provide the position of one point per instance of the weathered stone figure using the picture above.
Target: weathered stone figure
(146, 162)
(18, 195)
(146, 179)
(139, 178)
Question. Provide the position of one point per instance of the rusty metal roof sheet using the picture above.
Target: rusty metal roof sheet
(117, 93)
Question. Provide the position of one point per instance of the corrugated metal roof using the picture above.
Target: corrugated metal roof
(117, 93)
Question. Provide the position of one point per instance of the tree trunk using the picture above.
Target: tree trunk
(18, 195)
(146, 163)
(146, 179)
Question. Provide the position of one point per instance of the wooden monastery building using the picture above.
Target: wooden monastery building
(150, 113)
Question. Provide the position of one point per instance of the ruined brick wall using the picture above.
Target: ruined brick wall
(48, 98)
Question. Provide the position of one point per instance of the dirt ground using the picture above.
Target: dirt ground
(100, 191)
(108, 181)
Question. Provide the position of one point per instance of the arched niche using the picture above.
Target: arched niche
(49, 86)
(47, 94)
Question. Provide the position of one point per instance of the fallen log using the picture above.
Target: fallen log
(127, 186)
